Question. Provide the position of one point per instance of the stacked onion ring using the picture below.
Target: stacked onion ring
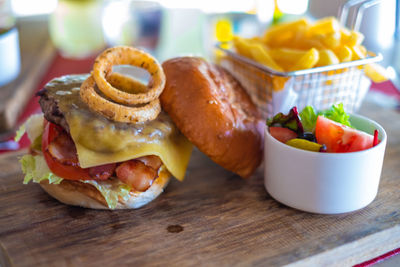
(132, 104)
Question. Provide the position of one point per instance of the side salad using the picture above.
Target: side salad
(324, 131)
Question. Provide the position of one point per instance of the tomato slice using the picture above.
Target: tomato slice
(67, 171)
(282, 134)
(340, 138)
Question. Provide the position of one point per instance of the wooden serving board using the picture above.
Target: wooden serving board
(212, 218)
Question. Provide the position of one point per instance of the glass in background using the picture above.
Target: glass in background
(9, 44)
(75, 28)
(22, 8)
(170, 28)
(135, 23)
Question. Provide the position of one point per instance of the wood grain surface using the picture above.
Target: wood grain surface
(36, 54)
(213, 218)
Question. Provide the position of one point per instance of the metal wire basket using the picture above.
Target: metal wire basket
(274, 91)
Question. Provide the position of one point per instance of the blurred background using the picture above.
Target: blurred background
(42, 39)
(168, 28)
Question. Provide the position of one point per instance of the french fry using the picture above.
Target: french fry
(324, 26)
(327, 57)
(306, 43)
(358, 52)
(260, 54)
(355, 38)
(286, 55)
(242, 46)
(284, 31)
(278, 83)
(376, 72)
(331, 40)
(307, 61)
(344, 53)
(301, 45)
(344, 35)
(363, 50)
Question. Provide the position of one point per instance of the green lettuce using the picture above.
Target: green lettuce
(37, 143)
(35, 169)
(308, 118)
(20, 132)
(112, 190)
(336, 113)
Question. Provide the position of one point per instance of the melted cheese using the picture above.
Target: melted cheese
(100, 141)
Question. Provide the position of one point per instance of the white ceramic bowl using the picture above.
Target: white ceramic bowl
(327, 183)
(9, 56)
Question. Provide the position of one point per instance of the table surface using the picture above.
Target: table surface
(224, 220)
(212, 218)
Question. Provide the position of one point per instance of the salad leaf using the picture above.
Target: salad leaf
(37, 143)
(35, 168)
(20, 132)
(290, 121)
(33, 127)
(308, 118)
(111, 190)
(337, 113)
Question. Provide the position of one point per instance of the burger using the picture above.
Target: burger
(85, 154)
(82, 158)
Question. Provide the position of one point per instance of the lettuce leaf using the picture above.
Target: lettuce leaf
(20, 132)
(37, 144)
(35, 169)
(336, 113)
(112, 190)
(308, 118)
(34, 128)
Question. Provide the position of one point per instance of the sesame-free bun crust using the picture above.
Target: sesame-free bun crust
(214, 112)
(76, 193)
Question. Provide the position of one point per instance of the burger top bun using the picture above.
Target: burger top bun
(214, 112)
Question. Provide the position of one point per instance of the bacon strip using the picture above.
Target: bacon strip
(139, 173)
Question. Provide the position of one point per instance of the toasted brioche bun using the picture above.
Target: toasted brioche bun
(214, 112)
(76, 193)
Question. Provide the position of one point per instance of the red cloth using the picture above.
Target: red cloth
(62, 66)
(379, 259)
(386, 88)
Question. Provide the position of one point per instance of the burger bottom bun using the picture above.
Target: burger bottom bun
(76, 193)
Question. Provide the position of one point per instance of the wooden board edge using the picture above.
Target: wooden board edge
(356, 252)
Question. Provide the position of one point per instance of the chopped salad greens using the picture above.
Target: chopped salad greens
(324, 131)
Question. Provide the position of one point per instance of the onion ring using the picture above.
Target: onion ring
(115, 111)
(126, 84)
(125, 55)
